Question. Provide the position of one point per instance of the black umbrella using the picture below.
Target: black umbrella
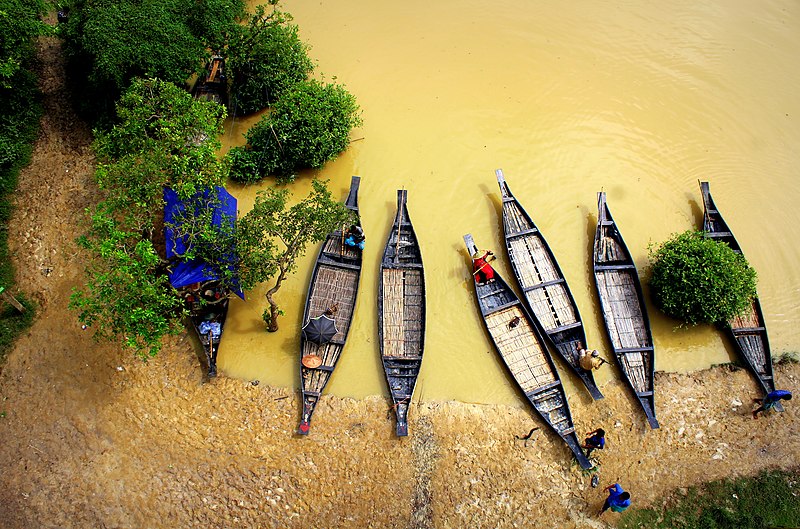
(320, 330)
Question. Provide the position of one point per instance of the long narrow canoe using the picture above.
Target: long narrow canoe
(522, 348)
(208, 305)
(624, 312)
(334, 285)
(748, 331)
(401, 312)
(543, 285)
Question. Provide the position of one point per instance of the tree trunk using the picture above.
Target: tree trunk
(274, 310)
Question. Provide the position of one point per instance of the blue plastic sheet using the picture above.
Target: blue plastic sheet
(194, 271)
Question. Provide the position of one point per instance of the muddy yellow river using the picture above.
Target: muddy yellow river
(568, 98)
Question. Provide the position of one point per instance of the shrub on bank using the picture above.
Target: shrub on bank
(307, 126)
(699, 280)
(266, 58)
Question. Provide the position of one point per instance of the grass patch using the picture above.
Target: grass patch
(790, 357)
(768, 500)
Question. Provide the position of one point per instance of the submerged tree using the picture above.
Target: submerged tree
(271, 237)
(266, 58)
(700, 280)
(308, 126)
(164, 139)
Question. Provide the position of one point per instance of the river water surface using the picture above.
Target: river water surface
(639, 99)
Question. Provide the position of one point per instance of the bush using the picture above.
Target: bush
(308, 126)
(109, 43)
(266, 59)
(699, 280)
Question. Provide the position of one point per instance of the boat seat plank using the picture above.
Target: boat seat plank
(544, 284)
(503, 307)
(603, 268)
(338, 264)
(541, 389)
(409, 358)
(522, 233)
(564, 327)
(719, 234)
(400, 265)
(627, 350)
(309, 393)
(644, 393)
(749, 330)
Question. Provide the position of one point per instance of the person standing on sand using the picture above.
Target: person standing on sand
(769, 402)
(618, 500)
(595, 441)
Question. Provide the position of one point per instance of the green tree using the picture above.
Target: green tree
(699, 280)
(20, 20)
(309, 125)
(164, 139)
(266, 57)
(110, 42)
(271, 237)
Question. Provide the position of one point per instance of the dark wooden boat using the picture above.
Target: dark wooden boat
(208, 307)
(333, 288)
(748, 331)
(401, 312)
(624, 311)
(205, 294)
(213, 86)
(543, 285)
(522, 348)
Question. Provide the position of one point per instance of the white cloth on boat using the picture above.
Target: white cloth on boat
(210, 326)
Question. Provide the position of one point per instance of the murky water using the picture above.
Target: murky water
(568, 99)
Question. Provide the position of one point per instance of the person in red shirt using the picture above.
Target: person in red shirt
(481, 269)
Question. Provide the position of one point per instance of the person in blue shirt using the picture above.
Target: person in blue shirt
(355, 237)
(595, 441)
(769, 402)
(618, 500)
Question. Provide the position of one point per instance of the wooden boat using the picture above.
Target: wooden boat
(401, 312)
(213, 86)
(624, 311)
(748, 331)
(333, 288)
(199, 284)
(208, 307)
(543, 285)
(522, 348)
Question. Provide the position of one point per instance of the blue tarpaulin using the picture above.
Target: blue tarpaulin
(194, 271)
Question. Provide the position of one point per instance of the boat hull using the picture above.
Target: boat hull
(401, 312)
(522, 348)
(624, 313)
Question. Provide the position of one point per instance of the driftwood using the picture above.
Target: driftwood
(11, 300)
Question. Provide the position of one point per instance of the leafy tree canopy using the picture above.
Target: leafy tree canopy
(699, 280)
(20, 20)
(164, 139)
(266, 57)
(273, 235)
(309, 125)
(110, 42)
